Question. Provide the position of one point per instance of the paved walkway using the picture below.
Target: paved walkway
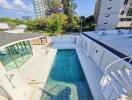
(36, 70)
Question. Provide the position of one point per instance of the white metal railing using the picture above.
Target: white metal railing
(108, 81)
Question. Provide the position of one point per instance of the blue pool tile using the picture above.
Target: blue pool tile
(66, 80)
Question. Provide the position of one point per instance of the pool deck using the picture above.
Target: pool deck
(37, 69)
(38, 74)
(92, 73)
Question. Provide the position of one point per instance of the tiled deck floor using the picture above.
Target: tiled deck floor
(36, 70)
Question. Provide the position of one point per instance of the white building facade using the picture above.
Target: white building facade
(125, 16)
(40, 8)
(109, 13)
(4, 26)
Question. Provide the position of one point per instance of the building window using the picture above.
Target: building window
(122, 12)
(107, 15)
(14, 56)
(109, 8)
(125, 2)
(125, 19)
(129, 13)
(131, 3)
(105, 23)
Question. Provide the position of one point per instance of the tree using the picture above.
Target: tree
(53, 24)
(54, 6)
(90, 19)
(69, 9)
(88, 23)
(83, 21)
(57, 23)
(11, 22)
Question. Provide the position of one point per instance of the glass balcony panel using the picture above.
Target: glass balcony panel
(15, 55)
(7, 60)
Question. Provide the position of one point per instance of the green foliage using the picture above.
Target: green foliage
(58, 24)
(53, 24)
(69, 9)
(54, 7)
(36, 25)
(89, 20)
(1, 30)
(11, 22)
(73, 24)
(88, 23)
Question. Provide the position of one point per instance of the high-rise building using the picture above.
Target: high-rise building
(26, 17)
(112, 14)
(125, 15)
(40, 8)
(97, 10)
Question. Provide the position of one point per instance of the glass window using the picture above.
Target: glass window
(28, 48)
(25, 52)
(131, 3)
(16, 55)
(7, 59)
(122, 12)
(129, 13)
(125, 19)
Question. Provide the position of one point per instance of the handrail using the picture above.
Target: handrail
(108, 80)
(107, 67)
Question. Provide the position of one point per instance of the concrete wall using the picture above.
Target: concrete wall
(63, 39)
(63, 42)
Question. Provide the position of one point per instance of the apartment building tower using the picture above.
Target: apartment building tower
(112, 14)
(40, 8)
(125, 15)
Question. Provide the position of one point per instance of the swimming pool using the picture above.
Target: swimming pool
(66, 80)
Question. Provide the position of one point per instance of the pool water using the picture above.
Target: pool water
(66, 80)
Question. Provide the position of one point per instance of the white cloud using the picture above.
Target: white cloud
(5, 4)
(16, 5)
(21, 5)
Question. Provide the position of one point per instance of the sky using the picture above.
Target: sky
(19, 8)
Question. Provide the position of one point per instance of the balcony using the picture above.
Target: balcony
(124, 24)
